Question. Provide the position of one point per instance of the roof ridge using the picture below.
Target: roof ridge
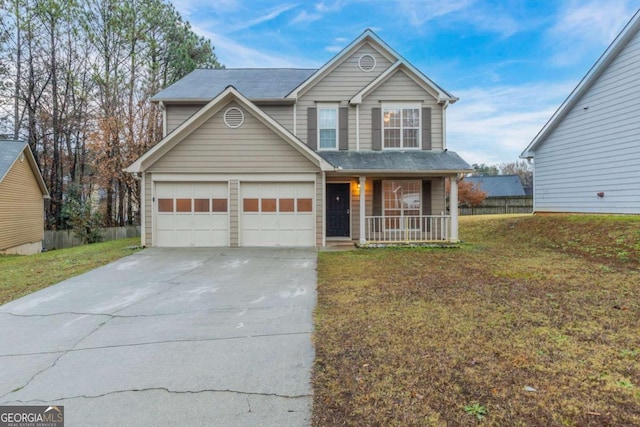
(256, 68)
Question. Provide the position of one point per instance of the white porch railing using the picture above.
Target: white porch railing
(407, 229)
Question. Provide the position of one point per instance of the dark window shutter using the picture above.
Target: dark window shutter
(343, 123)
(426, 204)
(376, 129)
(312, 128)
(377, 198)
(377, 204)
(426, 197)
(426, 128)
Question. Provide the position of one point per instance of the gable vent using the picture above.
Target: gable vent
(367, 63)
(233, 117)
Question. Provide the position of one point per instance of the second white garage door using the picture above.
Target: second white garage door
(277, 214)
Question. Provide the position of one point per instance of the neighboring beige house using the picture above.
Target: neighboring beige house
(22, 194)
(353, 151)
(587, 156)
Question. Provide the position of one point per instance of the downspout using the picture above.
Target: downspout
(143, 212)
(444, 124)
(357, 127)
(324, 209)
(295, 122)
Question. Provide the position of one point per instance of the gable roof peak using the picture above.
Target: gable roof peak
(230, 93)
(368, 35)
(10, 152)
(596, 70)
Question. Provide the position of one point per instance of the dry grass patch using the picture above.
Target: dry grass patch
(22, 275)
(459, 336)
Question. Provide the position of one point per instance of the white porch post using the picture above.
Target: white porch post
(453, 208)
(363, 181)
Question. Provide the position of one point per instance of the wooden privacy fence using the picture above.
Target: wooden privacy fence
(60, 239)
(501, 205)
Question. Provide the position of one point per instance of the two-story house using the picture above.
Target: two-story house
(355, 150)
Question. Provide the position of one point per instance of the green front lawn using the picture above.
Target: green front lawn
(534, 321)
(22, 275)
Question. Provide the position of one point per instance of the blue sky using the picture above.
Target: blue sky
(510, 62)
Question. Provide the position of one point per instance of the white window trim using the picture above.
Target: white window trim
(412, 105)
(327, 106)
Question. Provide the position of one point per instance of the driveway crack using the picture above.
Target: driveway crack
(167, 390)
(62, 354)
(236, 337)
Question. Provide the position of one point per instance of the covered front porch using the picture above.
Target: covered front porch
(377, 198)
(392, 197)
(373, 210)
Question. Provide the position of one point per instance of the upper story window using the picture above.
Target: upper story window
(401, 126)
(328, 127)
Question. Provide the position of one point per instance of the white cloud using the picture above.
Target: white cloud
(333, 48)
(236, 55)
(305, 17)
(427, 10)
(188, 7)
(244, 24)
(585, 25)
(495, 124)
(325, 7)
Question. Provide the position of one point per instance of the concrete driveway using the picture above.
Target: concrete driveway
(182, 337)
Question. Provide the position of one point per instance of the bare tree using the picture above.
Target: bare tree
(522, 168)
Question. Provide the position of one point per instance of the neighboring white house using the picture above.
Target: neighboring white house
(587, 156)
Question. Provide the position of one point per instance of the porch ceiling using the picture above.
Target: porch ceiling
(418, 161)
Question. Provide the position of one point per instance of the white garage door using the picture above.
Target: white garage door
(277, 214)
(192, 214)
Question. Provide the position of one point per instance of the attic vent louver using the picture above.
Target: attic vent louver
(367, 63)
(233, 117)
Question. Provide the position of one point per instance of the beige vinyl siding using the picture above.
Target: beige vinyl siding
(595, 147)
(148, 210)
(399, 88)
(283, 114)
(214, 147)
(177, 114)
(340, 85)
(21, 207)
(438, 197)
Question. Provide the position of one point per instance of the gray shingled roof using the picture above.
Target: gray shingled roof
(205, 84)
(499, 185)
(9, 152)
(408, 161)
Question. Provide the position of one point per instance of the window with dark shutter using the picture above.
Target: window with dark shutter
(376, 129)
(343, 123)
(312, 128)
(377, 203)
(426, 128)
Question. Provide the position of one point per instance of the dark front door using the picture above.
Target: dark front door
(338, 210)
